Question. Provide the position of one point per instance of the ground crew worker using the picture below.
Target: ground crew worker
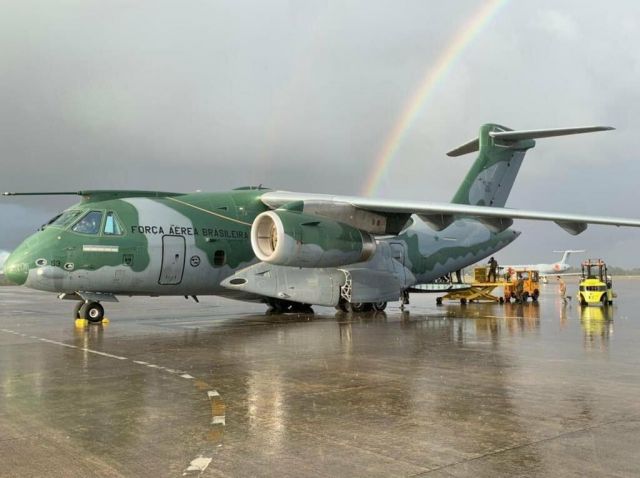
(493, 268)
(519, 288)
(562, 289)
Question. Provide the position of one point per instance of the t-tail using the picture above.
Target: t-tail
(501, 151)
(565, 256)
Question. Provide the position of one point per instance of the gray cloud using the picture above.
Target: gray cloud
(302, 96)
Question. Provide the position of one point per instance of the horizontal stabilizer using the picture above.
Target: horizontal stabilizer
(470, 147)
(513, 136)
(545, 133)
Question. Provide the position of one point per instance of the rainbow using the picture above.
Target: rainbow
(434, 76)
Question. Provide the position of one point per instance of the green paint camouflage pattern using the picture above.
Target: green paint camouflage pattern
(492, 175)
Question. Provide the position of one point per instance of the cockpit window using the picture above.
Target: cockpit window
(64, 219)
(112, 225)
(90, 223)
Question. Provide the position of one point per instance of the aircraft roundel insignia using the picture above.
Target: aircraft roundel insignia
(194, 261)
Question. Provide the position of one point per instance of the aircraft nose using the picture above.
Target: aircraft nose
(15, 269)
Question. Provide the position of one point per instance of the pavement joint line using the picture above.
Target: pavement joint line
(524, 445)
(343, 443)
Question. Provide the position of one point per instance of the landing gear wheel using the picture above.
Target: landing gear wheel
(355, 307)
(76, 309)
(438, 300)
(301, 308)
(379, 306)
(92, 311)
(343, 306)
(279, 306)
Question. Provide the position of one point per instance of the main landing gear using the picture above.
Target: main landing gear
(358, 307)
(92, 312)
(280, 306)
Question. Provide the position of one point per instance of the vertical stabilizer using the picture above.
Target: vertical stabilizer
(501, 151)
(565, 256)
(489, 181)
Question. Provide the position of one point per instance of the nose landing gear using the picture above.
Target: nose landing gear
(90, 311)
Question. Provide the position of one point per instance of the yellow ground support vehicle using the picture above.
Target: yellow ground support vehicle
(530, 286)
(596, 286)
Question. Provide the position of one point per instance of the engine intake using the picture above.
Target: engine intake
(289, 238)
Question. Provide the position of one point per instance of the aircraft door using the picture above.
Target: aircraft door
(173, 254)
(398, 253)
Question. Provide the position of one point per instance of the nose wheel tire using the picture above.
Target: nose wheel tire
(92, 311)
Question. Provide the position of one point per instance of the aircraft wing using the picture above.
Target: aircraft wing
(437, 215)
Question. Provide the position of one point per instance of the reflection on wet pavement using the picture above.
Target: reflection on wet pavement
(223, 389)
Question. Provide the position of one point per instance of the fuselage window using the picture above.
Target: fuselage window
(112, 225)
(90, 223)
(219, 258)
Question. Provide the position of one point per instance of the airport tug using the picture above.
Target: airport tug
(595, 287)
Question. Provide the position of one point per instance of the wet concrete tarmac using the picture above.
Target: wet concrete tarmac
(222, 389)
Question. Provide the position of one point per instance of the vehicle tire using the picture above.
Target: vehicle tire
(536, 294)
(438, 300)
(379, 306)
(525, 296)
(583, 302)
(463, 301)
(92, 311)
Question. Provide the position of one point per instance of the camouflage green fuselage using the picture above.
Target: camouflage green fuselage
(187, 244)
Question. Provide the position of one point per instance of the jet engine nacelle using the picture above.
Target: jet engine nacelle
(294, 239)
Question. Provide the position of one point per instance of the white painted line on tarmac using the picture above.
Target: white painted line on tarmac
(187, 376)
(218, 420)
(97, 352)
(197, 465)
(104, 354)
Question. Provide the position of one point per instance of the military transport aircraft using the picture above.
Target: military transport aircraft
(289, 250)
